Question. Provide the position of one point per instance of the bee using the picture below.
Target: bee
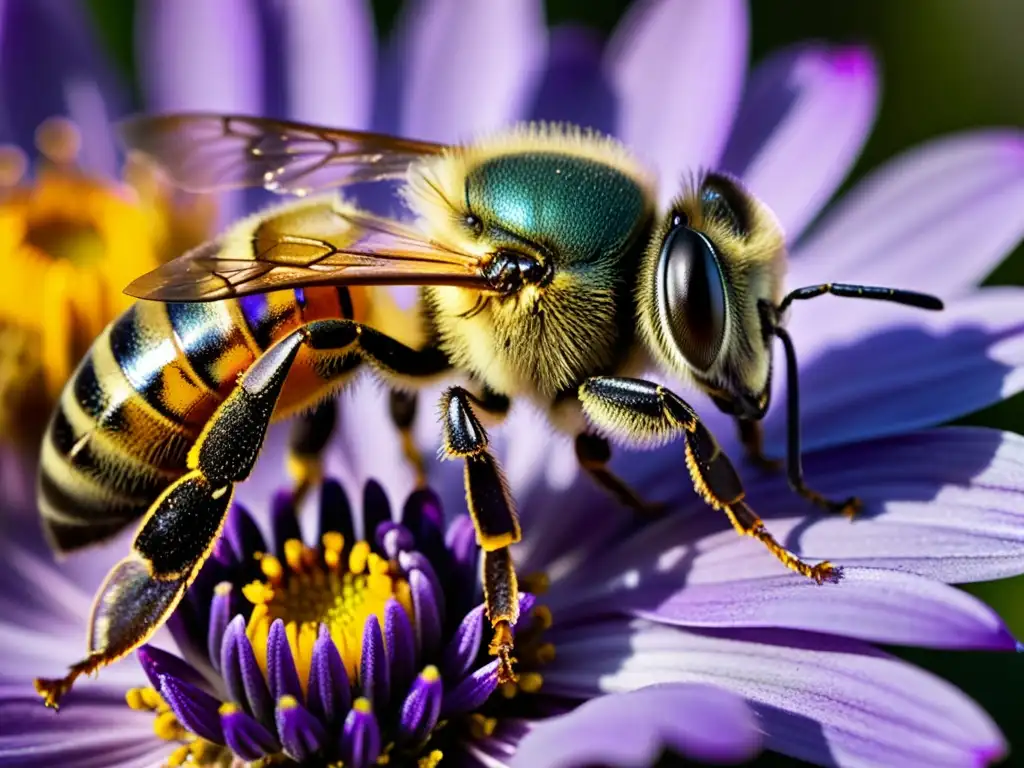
(546, 272)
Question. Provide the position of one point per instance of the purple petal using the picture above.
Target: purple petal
(246, 737)
(945, 503)
(335, 38)
(415, 561)
(896, 369)
(329, 694)
(283, 521)
(464, 645)
(51, 64)
(428, 615)
(678, 68)
(302, 735)
(400, 639)
(393, 539)
(869, 604)
(574, 87)
(376, 508)
(460, 540)
(423, 516)
(157, 663)
(805, 116)
(360, 738)
(195, 709)
(281, 672)
(221, 611)
(245, 538)
(335, 511)
(94, 729)
(421, 708)
(942, 191)
(632, 729)
(186, 62)
(469, 67)
(821, 699)
(472, 692)
(374, 671)
(242, 674)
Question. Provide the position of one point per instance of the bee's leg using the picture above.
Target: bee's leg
(794, 465)
(402, 406)
(752, 437)
(310, 434)
(494, 517)
(639, 410)
(593, 453)
(181, 527)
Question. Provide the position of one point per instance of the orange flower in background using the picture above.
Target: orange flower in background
(69, 243)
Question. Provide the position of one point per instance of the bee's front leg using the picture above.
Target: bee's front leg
(644, 412)
(494, 516)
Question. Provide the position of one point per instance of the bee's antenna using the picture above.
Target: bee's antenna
(910, 298)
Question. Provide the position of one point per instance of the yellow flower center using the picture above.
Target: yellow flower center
(69, 244)
(304, 592)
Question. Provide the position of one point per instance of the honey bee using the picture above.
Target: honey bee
(546, 272)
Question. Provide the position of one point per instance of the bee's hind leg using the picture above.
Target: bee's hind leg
(493, 513)
(180, 529)
(638, 410)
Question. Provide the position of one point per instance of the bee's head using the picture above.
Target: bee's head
(716, 264)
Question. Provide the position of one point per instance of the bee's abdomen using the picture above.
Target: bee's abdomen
(122, 429)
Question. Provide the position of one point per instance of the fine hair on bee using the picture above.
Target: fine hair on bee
(546, 272)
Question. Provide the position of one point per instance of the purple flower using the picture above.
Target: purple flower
(675, 635)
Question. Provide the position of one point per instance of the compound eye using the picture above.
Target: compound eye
(691, 296)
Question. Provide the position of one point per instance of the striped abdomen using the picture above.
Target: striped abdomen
(124, 424)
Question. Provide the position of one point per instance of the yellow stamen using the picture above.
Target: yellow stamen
(287, 702)
(430, 674)
(59, 140)
(13, 165)
(362, 704)
(432, 760)
(167, 727)
(358, 557)
(293, 554)
(258, 592)
(542, 617)
(272, 569)
(536, 583)
(305, 592)
(545, 654)
(179, 756)
(481, 727)
(531, 682)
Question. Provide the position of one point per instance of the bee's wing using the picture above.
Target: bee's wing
(209, 152)
(323, 242)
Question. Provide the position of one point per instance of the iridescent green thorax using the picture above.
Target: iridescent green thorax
(581, 209)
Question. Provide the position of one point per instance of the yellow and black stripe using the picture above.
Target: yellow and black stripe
(122, 429)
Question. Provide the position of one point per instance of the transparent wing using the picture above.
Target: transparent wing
(316, 243)
(209, 152)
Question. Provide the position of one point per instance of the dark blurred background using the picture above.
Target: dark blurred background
(947, 65)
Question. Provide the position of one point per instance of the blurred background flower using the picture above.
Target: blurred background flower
(77, 221)
(282, 59)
